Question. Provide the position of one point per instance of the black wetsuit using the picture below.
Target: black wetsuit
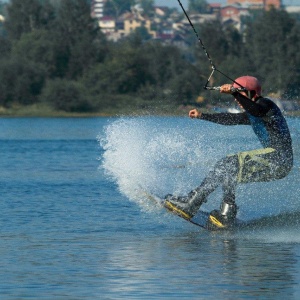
(273, 161)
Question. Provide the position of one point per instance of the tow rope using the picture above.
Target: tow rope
(216, 88)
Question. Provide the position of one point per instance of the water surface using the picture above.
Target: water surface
(75, 226)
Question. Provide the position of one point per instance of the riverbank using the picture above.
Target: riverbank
(45, 111)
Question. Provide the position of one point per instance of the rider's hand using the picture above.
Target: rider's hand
(226, 89)
(194, 114)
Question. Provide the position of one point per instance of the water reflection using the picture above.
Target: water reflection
(201, 265)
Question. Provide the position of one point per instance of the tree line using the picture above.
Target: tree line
(54, 52)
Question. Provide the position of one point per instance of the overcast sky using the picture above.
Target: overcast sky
(174, 3)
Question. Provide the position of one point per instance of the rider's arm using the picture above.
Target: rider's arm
(226, 118)
(258, 108)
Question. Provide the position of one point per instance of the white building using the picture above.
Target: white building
(293, 9)
(97, 8)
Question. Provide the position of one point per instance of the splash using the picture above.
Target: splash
(173, 155)
(151, 154)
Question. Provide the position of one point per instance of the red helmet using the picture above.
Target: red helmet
(249, 83)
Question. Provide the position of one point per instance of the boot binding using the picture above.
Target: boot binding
(174, 209)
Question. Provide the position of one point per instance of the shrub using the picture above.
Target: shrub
(20, 81)
(67, 95)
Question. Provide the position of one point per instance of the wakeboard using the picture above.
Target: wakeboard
(201, 219)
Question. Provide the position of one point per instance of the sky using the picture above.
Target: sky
(174, 3)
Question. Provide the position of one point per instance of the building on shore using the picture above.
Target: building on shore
(97, 8)
(257, 4)
(170, 27)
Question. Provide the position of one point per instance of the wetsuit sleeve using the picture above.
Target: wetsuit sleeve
(256, 109)
(227, 118)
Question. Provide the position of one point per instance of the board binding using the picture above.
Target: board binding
(202, 219)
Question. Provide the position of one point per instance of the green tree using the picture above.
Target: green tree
(147, 6)
(3, 12)
(20, 82)
(235, 61)
(273, 47)
(1, 8)
(186, 86)
(125, 70)
(292, 89)
(67, 95)
(37, 47)
(5, 47)
(197, 6)
(226, 49)
(148, 72)
(117, 7)
(141, 32)
(169, 64)
(27, 15)
(216, 43)
(75, 37)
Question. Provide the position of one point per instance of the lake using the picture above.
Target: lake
(75, 224)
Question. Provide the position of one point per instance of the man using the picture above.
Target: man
(273, 161)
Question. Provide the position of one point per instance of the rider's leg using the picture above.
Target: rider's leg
(224, 173)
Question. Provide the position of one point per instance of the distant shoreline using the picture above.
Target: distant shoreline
(44, 111)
